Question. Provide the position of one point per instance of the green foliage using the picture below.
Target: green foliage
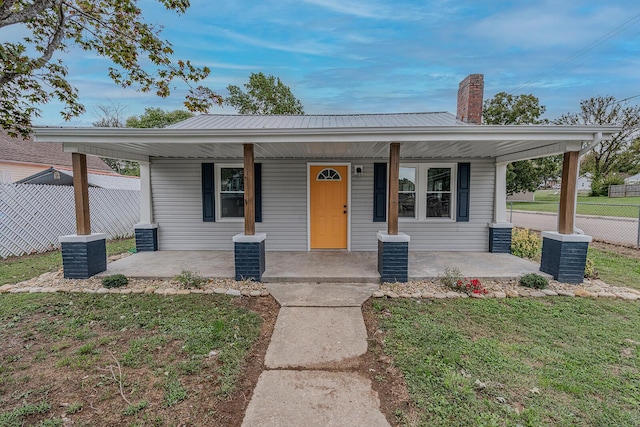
(615, 269)
(525, 243)
(533, 280)
(113, 29)
(264, 95)
(600, 185)
(115, 281)
(505, 109)
(16, 417)
(590, 271)
(134, 408)
(74, 408)
(619, 153)
(174, 392)
(450, 277)
(157, 118)
(189, 279)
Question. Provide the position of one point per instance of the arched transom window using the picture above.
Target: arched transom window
(328, 174)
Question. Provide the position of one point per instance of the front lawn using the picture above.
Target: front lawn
(547, 201)
(123, 359)
(17, 269)
(524, 361)
(616, 269)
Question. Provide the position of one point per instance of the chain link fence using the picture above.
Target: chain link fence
(611, 223)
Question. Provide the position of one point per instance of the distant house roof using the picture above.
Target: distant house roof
(27, 151)
(313, 121)
(62, 176)
(633, 179)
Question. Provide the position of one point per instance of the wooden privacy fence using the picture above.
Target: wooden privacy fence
(32, 217)
(624, 190)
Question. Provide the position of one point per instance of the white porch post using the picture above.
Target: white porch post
(146, 231)
(146, 206)
(500, 228)
(500, 202)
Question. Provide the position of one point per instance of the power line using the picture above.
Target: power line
(608, 36)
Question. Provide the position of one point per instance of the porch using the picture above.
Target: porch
(322, 266)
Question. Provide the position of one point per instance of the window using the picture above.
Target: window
(407, 192)
(439, 193)
(328, 174)
(426, 191)
(231, 193)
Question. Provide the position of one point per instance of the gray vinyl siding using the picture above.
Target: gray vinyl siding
(177, 205)
(428, 235)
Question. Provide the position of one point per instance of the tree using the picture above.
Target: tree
(111, 116)
(113, 29)
(617, 154)
(506, 109)
(157, 118)
(265, 95)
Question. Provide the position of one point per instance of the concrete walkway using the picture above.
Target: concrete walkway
(316, 340)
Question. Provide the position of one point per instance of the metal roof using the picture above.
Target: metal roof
(333, 121)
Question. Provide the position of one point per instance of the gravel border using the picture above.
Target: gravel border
(426, 289)
(430, 289)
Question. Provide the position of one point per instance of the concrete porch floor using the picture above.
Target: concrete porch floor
(324, 266)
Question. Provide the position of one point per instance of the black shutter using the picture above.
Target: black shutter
(464, 183)
(258, 190)
(208, 193)
(379, 192)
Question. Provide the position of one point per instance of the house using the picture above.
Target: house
(391, 183)
(64, 176)
(21, 158)
(584, 182)
(633, 179)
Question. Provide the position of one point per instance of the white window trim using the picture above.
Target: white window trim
(421, 191)
(218, 179)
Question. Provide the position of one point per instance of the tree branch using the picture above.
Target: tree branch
(30, 12)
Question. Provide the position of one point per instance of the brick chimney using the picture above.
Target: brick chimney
(470, 95)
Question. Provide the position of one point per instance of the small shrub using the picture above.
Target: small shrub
(134, 408)
(115, 281)
(590, 271)
(470, 287)
(189, 279)
(525, 243)
(74, 408)
(533, 280)
(450, 277)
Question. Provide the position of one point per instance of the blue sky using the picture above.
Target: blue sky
(378, 56)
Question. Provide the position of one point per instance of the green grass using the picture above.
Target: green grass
(17, 269)
(616, 269)
(529, 362)
(16, 417)
(164, 334)
(547, 201)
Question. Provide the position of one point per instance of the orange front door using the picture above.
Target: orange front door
(328, 206)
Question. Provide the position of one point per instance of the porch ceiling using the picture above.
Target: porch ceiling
(504, 143)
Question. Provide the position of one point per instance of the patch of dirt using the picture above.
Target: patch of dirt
(619, 249)
(36, 368)
(386, 379)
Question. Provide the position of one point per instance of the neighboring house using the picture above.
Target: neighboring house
(20, 158)
(322, 181)
(64, 176)
(584, 182)
(633, 179)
